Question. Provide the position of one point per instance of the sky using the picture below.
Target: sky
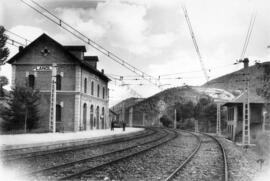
(151, 35)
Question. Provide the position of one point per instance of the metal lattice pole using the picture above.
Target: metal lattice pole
(218, 131)
(174, 125)
(196, 126)
(246, 113)
(52, 121)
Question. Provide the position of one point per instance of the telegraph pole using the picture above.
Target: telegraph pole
(52, 121)
(246, 108)
(196, 126)
(218, 131)
(246, 104)
(174, 125)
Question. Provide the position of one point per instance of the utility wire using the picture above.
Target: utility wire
(19, 36)
(17, 44)
(195, 42)
(178, 73)
(38, 8)
(14, 42)
(250, 28)
(132, 91)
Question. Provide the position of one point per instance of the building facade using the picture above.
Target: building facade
(234, 116)
(81, 89)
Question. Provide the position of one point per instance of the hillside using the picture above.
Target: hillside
(152, 108)
(225, 88)
(234, 83)
(126, 103)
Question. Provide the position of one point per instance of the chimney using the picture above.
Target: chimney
(20, 48)
(245, 61)
(91, 60)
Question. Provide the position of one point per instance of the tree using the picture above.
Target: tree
(264, 90)
(186, 111)
(205, 112)
(3, 82)
(4, 52)
(166, 121)
(22, 110)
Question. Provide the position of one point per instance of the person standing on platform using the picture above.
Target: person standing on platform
(124, 125)
(112, 125)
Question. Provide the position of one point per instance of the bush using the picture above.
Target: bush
(165, 121)
(187, 124)
(263, 143)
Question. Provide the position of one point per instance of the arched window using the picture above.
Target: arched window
(92, 117)
(58, 118)
(58, 82)
(84, 116)
(58, 113)
(103, 93)
(92, 88)
(98, 90)
(31, 81)
(85, 85)
(103, 118)
(97, 114)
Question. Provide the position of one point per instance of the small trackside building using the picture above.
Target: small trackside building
(257, 113)
(81, 89)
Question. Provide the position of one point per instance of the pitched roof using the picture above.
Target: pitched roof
(113, 112)
(65, 50)
(253, 98)
(91, 58)
(75, 48)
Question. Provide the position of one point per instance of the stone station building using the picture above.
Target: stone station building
(81, 89)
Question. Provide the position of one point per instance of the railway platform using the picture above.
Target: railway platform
(45, 141)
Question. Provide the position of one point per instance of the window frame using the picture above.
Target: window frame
(31, 81)
(92, 88)
(58, 83)
(85, 85)
(98, 90)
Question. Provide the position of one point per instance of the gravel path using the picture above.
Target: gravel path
(155, 164)
(207, 164)
(243, 164)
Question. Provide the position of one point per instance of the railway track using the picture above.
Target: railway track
(76, 168)
(175, 174)
(47, 161)
(143, 148)
(28, 153)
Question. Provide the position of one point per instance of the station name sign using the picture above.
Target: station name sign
(43, 68)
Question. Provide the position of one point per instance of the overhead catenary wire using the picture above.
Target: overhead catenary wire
(195, 42)
(134, 77)
(38, 8)
(250, 28)
(132, 91)
(19, 36)
(249, 32)
(16, 43)
(246, 80)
